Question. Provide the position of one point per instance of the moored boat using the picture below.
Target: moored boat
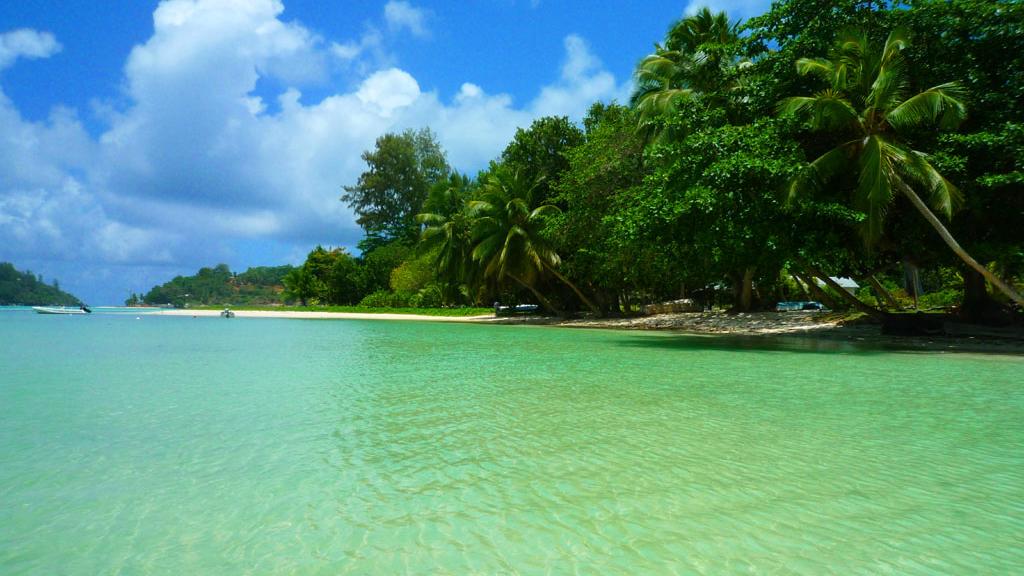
(61, 310)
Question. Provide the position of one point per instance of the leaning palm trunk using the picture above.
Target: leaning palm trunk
(853, 300)
(566, 281)
(540, 297)
(884, 294)
(813, 288)
(955, 246)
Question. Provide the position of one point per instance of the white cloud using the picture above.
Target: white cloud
(583, 81)
(388, 90)
(365, 55)
(199, 162)
(26, 43)
(401, 15)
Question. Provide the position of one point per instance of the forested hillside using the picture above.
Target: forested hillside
(217, 286)
(29, 289)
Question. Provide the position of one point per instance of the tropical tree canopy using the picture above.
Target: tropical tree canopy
(400, 172)
(868, 103)
(692, 63)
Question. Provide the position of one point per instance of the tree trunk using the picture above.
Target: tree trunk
(746, 289)
(540, 297)
(800, 286)
(566, 281)
(610, 303)
(955, 247)
(978, 306)
(884, 294)
(912, 280)
(816, 290)
(874, 312)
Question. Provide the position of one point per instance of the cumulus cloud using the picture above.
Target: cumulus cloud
(26, 43)
(197, 163)
(47, 212)
(583, 81)
(401, 15)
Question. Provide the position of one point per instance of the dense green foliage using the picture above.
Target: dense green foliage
(28, 289)
(220, 286)
(755, 161)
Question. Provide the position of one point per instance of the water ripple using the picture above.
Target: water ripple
(278, 447)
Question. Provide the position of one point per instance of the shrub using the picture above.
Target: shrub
(942, 299)
(430, 296)
(386, 299)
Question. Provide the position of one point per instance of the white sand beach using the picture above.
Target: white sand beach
(324, 315)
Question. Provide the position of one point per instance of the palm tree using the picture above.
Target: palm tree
(301, 284)
(448, 226)
(692, 63)
(507, 233)
(867, 103)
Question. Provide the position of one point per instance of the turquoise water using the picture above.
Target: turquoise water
(171, 445)
(95, 309)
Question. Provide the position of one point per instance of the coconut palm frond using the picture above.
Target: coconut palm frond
(476, 208)
(819, 67)
(816, 174)
(874, 185)
(661, 66)
(641, 91)
(544, 211)
(943, 105)
(662, 101)
(794, 105)
(942, 195)
(826, 110)
(890, 86)
(431, 219)
(852, 42)
(429, 235)
(694, 61)
(898, 40)
(831, 111)
(852, 51)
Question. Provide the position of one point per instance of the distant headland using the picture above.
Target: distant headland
(30, 289)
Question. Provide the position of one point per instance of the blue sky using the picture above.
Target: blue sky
(142, 140)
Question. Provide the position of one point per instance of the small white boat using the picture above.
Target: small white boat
(61, 310)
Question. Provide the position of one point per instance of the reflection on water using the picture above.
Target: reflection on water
(181, 445)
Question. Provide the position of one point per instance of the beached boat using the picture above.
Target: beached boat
(61, 310)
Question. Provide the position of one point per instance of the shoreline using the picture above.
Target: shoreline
(786, 326)
(753, 326)
(317, 315)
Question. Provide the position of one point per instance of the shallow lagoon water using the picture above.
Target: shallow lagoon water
(171, 445)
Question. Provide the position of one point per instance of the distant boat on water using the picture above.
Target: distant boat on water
(61, 310)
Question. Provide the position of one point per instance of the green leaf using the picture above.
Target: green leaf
(874, 187)
(942, 105)
(826, 167)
